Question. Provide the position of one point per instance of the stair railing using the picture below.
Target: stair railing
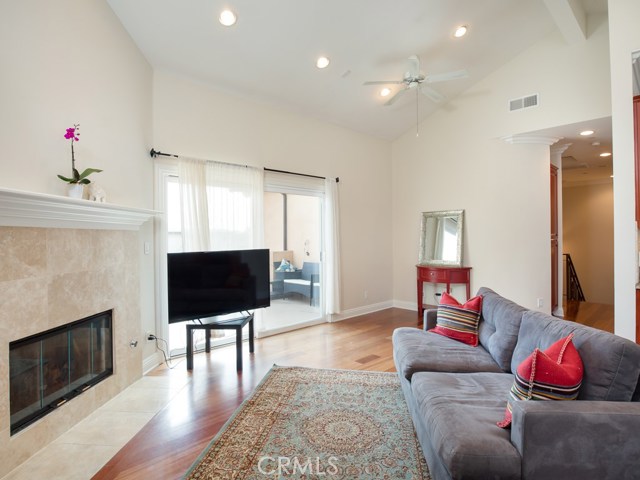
(574, 290)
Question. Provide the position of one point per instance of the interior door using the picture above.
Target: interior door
(554, 237)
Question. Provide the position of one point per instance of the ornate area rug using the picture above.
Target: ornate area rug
(304, 423)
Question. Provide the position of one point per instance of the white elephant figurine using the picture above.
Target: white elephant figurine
(97, 193)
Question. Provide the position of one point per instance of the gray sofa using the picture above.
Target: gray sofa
(456, 393)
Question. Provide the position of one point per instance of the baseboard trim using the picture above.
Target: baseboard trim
(288, 328)
(151, 362)
(355, 312)
(405, 305)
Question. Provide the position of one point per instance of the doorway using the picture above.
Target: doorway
(582, 221)
(587, 222)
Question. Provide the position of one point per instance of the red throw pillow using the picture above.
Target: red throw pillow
(459, 322)
(555, 374)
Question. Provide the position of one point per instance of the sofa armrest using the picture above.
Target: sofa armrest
(429, 318)
(577, 439)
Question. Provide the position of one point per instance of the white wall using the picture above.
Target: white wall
(459, 162)
(66, 62)
(588, 238)
(193, 119)
(69, 62)
(624, 40)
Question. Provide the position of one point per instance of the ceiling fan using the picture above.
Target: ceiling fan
(415, 79)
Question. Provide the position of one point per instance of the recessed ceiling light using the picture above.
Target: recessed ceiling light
(227, 18)
(461, 31)
(385, 91)
(605, 154)
(586, 133)
(322, 62)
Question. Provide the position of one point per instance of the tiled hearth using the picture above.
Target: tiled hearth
(53, 276)
(80, 452)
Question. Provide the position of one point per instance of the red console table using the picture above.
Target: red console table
(446, 275)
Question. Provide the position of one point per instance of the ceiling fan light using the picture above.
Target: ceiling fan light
(322, 62)
(460, 31)
(227, 18)
(385, 92)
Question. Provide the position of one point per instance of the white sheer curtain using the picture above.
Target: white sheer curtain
(236, 196)
(221, 205)
(332, 246)
(194, 206)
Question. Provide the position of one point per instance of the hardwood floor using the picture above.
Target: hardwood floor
(596, 315)
(173, 439)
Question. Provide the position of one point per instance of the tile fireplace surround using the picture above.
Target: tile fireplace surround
(53, 276)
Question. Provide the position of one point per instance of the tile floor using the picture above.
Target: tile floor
(84, 449)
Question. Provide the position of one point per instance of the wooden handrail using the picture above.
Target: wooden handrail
(574, 290)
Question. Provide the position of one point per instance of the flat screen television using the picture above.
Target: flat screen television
(207, 284)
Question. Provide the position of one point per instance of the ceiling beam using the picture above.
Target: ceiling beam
(570, 18)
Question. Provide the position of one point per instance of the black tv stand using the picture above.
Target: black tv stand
(215, 323)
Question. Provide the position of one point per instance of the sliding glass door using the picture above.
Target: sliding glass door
(294, 219)
(293, 226)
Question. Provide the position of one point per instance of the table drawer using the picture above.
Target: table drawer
(433, 275)
(459, 276)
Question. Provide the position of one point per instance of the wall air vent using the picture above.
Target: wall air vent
(523, 102)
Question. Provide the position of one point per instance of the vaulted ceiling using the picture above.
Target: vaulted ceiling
(269, 55)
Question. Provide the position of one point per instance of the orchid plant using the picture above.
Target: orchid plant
(73, 135)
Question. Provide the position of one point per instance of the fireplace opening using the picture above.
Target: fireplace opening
(48, 369)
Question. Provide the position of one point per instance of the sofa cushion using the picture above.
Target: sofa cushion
(499, 327)
(553, 374)
(415, 350)
(459, 412)
(457, 321)
(611, 363)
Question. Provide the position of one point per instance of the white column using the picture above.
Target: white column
(537, 139)
(556, 160)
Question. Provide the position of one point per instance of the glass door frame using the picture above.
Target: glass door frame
(319, 193)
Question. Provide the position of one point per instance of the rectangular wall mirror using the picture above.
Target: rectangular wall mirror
(441, 238)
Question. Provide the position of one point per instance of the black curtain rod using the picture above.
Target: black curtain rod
(299, 174)
(155, 153)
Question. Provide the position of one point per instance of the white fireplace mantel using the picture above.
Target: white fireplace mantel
(28, 209)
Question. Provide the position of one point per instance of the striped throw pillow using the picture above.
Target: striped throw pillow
(459, 322)
(555, 374)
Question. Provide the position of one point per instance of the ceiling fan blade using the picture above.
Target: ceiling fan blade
(432, 94)
(384, 82)
(395, 97)
(441, 77)
(414, 66)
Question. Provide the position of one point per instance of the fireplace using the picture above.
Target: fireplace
(48, 369)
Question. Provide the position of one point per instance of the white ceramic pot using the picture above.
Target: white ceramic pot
(75, 190)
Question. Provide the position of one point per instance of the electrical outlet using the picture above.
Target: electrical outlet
(149, 336)
(540, 303)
